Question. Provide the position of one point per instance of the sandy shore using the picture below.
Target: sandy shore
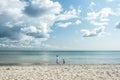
(60, 72)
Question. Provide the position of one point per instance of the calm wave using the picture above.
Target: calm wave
(49, 57)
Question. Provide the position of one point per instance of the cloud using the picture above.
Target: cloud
(105, 12)
(62, 19)
(78, 22)
(93, 33)
(67, 24)
(33, 31)
(14, 23)
(27, 23)
(92, 4)
(70, 14)
(64, 25)
(118, 25)
(99, 18)
(99, 23)
(11, 33)
(42, 7)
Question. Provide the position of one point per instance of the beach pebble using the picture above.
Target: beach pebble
(60, 72)
(7, 68)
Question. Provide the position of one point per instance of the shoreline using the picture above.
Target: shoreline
(61, 72)
(37, 64)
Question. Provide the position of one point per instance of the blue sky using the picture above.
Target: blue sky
(60, 24)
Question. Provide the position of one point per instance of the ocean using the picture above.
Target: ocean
(49, 57)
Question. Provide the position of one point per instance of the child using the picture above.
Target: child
(63, 61)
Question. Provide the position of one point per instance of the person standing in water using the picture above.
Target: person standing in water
(63, 61)
(57, 59)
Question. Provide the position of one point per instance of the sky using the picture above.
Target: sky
(60, 24)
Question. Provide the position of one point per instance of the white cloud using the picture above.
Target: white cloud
(67, 24)
(93, 33)
(78, 22)
(105, 12)
(101, 17)
(99, 23)
(92, 4)
(72, 13)
(64, 25)
(27, 43)
(92, 15)
(29, 29)
(68, 15)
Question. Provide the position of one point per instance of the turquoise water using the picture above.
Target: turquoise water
(49, 57)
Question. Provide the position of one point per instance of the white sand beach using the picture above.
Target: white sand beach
(60, 72)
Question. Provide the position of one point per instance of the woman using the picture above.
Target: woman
(57, 59)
